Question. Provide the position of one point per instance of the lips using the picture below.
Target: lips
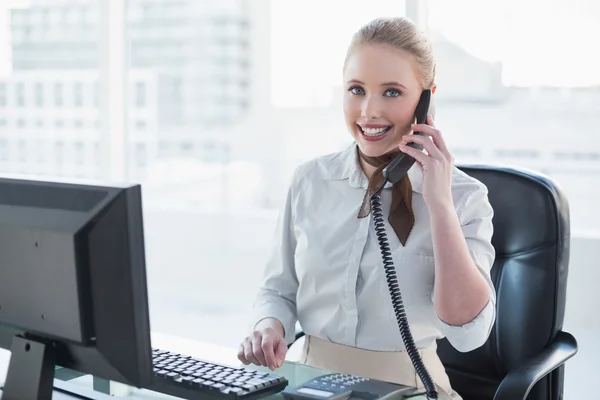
(374, 132)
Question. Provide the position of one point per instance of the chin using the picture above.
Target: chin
(372, 150)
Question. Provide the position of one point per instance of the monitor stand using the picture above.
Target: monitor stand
(31, 374)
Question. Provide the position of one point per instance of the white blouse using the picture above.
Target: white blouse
(325, 268)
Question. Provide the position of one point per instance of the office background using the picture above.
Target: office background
(211, 105)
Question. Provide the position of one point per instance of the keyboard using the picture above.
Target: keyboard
(192, 378)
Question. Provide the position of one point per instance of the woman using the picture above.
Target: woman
(325, 268)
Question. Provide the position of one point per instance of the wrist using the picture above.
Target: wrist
(442, 207)
(270, 322)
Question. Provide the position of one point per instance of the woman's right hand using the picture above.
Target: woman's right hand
(266, 346)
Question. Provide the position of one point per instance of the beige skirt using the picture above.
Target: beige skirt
(388, 366)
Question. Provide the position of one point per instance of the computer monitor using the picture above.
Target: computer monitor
(72, 284)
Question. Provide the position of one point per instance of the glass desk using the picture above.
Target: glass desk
(295, 373)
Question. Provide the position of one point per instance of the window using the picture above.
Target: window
(140, 94)
(79, 153)
(141, 154)
(39, 94)
(41, 151)
(517, 153)
(78, 94)
(59, 152)
(20, 94)
(58, 95)
(96, 95)
(3, 149)
(22, 150)
(2, 94)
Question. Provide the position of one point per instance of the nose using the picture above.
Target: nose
(370, 107)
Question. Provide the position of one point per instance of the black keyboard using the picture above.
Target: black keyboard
(191, 378)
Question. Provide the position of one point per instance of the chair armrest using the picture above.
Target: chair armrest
(299, 334)
(517, 384)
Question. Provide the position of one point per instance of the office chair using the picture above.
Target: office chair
(525, 354)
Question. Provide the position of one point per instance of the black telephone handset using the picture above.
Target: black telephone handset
(400, 165)
(340, 386)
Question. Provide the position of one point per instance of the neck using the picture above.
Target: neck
(367, 168)
(370, 164)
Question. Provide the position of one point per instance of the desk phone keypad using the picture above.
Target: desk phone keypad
(341, 380)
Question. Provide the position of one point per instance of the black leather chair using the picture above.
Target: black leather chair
(525, 354)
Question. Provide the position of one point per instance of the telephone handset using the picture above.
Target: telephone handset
(400, 165)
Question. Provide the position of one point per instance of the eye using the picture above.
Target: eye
(392, 93)
(356, 90)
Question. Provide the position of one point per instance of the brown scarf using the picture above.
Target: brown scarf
(401, 216)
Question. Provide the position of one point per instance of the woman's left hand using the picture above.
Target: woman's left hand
(436, 165)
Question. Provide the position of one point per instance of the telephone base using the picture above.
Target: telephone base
(338, 386)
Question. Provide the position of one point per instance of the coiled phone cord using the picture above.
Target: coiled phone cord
(398, 304)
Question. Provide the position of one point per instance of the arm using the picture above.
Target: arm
(275, 304)
(464, 295)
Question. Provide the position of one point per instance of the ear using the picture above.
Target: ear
(433, 88)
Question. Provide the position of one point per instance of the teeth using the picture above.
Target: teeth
(374, 131)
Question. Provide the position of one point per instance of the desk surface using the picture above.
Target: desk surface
(295, 373)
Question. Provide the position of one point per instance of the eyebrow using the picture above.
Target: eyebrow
(392, 83)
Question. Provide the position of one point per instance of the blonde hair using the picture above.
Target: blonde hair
(401, 33)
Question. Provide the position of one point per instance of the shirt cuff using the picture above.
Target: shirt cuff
(473, 334)
(279, 312)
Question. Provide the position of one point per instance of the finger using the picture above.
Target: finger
(436, 136)
(257, 349)
(423, 128)
(280, 352)
(268, 349)
(241, 355)
(249, 352)
(414, 153)
(427, 144)
(430, 121)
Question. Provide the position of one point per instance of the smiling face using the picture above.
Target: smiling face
(382, 85)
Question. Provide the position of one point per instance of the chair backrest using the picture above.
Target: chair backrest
(531, 239)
